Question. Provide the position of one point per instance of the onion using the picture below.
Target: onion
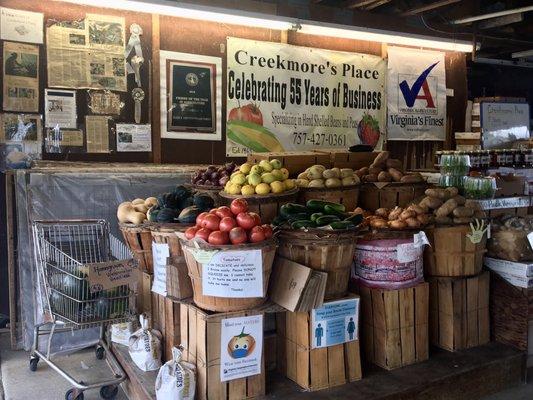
(200, 182)
(222, 181)
(208, 183)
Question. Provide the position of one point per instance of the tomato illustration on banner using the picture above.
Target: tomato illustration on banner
(282, 97)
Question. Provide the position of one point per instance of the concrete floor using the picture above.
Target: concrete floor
(17, 382)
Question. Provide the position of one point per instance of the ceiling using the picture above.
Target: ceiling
(498, 37)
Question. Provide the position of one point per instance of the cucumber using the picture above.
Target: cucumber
(303, 223)
(298, 217)
(341, 225)
(330, 210)
(355, 219)
(319, 205)
(296, 208)
(326, 220)
(314, 216)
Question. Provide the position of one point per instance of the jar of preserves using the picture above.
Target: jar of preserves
(518, 161)
(475, 160)
(438, 156)
(509, 158)
(484, 162)
(501, 158)
(528, 158)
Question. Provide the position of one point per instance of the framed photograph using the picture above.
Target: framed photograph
(191, 96)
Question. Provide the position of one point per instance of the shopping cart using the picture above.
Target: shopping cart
(64, 250)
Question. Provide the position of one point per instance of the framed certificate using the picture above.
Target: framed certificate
(191, 96)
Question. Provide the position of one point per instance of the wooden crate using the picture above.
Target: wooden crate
(511, 310)
(342, 158)
(459, 312)
(314, 369)
(200, 337)
(395, 325)
(294, 161)
(372, 196)
(144, 294)
(166, 319)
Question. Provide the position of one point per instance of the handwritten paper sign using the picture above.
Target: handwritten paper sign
(108, 275)
(160, 253)
(234, 274)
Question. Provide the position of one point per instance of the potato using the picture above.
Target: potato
(474, 205)
(479, 214)
(464, 220)
(333, 183)
(463, 212)
(384, 177)
(394, 163)
(398, 224)
(137, 201)
(443, 220)
(396, 175)
(378, 223)
(431, 202)
(347, 172)
(446, 209)
(381, 158)
(407, 214)
(374, 170)
(424, 219)
(362, 172)
(452, 191)
(438, 193)
(416, 208)
(459, 199)
(370, 178)
(412, 222)
(382, 212)
(412, 179)
(316, 183)
(395, 214)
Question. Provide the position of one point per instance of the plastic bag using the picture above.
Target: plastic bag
(145, 346)
(120, 333)
(176, 379)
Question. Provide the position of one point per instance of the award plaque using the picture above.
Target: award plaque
(191, 97)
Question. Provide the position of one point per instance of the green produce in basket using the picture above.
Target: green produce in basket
(315, 216)
(355, 219)
(303, 224)
(326, 220)
(333, 210)
(188, 215)
(342, 225)
(319, 205)
(167, 215)
(203, 201)
(298, 216)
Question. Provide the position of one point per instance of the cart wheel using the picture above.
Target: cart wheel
(33, 363)
(108, 392)
(99, 352)
(71, 396)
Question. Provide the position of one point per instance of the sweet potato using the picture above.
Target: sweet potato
(464, 220)
(407, 214)
(381, 158)
(362, 172)
(438, 193)
(382, 212)
(384, 177)
(397, 224)
(446, 209)
(460, 200)
(452, 191)
(412, 222)
(412, 179)
(396, 175)
(374, 170)
(370, 178)
(424, 219)
(431, 202)
(378, 223)
(474, 205)
(416, 208)
(463, 212)
(395, 214)
(394, 163)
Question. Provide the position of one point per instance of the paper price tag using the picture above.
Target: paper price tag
(420, 239)
(407, 252)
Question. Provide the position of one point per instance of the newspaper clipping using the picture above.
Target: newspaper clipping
(134, 137)
(97, 130)
(21, 26)
(60, 108)
(21, 77)
(24, 129)
(88, 53)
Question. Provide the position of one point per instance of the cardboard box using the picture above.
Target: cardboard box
(201, 339)
(459, 312)
(295, 161)
(341, 158)
(395, 325)
(314, 368)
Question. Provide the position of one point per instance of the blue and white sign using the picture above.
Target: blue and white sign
(336, 322)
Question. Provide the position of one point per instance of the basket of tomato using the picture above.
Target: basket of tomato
(228, 232)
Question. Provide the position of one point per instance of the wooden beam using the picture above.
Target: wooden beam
(501, 21)
(429, 7)
(357, 3)
(156, 91)
(376, 5)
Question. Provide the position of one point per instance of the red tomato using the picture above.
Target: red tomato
(257, 234)
(200, 218)
(203, 233)
(218, 238)
(213, 211)
(245, 220)
(237, 235)
(211, 222)
(190, 232)
(257, 218)
(227, 224)
(268, 230)
(249, 112)
(223, 211)
(238, 206)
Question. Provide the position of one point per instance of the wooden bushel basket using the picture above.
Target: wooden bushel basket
(451, 253)
(389, 196)
(267, 206)
(139, 239)
(228, 304)
(347, 195)
(326, 251)
(178, 282)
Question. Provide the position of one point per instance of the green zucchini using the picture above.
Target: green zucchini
(304, 223)
(298, 216)
(330, 210)
(355, 219)
(319, 205)
(314, 216)
(326, 220)
(296, 208)
(341, 225)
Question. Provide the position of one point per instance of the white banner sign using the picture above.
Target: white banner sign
(282, 97)
(416, 99)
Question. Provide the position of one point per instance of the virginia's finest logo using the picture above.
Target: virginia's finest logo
(411, 94)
